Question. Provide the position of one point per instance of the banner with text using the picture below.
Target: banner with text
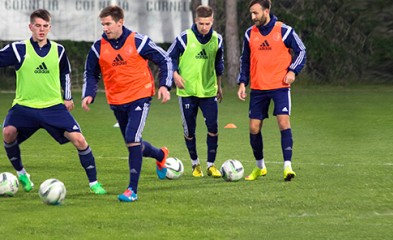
(78, 20)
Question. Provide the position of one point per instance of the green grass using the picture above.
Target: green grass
(342, 157)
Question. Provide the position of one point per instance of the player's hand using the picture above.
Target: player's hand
(289, 78)
(69, 104)
(179, 81)
(85, 103)
(241, 93)
(164, 94)
(220, 95)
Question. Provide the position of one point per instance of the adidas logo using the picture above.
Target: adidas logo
(90, 167)
(138, 109)
(285, 109)
(288, 149)
(133, 171)
(41, 68)
(75, 127)
(118, 61)
(265, 46)
(201, 55)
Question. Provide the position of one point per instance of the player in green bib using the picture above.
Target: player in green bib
(42, 100)
(41, 89)
(198, 64)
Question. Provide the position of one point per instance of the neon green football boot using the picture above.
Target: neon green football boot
(256, 172)
(26, 182)
(289, 174)
(98, 189)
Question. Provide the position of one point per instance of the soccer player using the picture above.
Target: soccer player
(42, 70)
(121, 57)
(267, 64)
(198, 64)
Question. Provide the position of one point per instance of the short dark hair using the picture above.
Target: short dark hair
(203, 11)
(114, 11)
(40, 13)
(266, 4)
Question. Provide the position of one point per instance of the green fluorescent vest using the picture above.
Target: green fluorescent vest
(197, 67)
(38, 79)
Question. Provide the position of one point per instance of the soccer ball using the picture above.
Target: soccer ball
(8, 184)
(175, 168)
(232, 170)
(52, 191)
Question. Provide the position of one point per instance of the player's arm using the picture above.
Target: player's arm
(12, 55)
(91, 76)
(175, 51)
(65, 79)
(220, 94)
(292, 41)
(219, 67)
(149, 50)
(244, 74)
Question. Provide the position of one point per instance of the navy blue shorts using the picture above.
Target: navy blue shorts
(132, 118)
(55, 120)
(260, 101)
(189, 111)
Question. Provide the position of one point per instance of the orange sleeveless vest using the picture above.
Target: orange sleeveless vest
(126, 75)
(269, 59)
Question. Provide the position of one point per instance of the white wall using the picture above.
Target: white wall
(78, 20)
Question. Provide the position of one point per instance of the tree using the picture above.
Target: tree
(194, 5)
(232, 42)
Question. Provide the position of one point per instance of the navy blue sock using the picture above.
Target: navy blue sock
(151, 151)
(191, 146)
(87, 161)
(135, 165)
(211, 148)
(13, 154)
(286, 144)
(257, 145)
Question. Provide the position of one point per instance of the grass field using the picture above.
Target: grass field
(342, 157)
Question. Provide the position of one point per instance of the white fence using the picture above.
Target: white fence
(78, 20)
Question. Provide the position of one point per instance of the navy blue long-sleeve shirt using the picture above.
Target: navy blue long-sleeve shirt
(146, 48)
(178, 47)
(13, 54)
(291, 40)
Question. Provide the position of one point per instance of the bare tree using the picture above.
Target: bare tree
(213, 4)
(231, 41)
(194, 5)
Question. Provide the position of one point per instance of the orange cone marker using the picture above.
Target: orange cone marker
(230, 125)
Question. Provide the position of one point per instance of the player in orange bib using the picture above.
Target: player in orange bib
(269, 67)
(120, 58)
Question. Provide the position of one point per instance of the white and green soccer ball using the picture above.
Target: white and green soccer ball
(232, 170)
(9, 184)
(52, 191)
(175, 168)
